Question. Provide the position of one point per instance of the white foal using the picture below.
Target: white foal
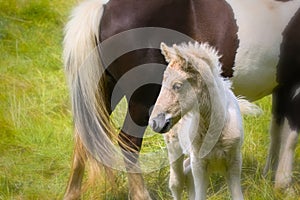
(210, 126)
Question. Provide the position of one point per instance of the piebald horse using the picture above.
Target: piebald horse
(260, 47)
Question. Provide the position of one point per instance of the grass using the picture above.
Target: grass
(36, 139)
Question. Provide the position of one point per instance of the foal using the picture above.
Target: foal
(210, 128)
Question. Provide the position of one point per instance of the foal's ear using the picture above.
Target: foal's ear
(179, 54)
(166, 51)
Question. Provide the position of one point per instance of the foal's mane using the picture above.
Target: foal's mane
(195, 53)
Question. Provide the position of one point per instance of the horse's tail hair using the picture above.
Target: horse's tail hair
(84, 70)
(248, 108)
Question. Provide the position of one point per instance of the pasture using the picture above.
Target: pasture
(36, 140)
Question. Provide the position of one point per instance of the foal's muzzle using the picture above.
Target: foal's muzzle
(160, 124)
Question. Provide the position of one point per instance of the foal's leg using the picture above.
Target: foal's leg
(189, 178)
(200, 175)
(233, 176)
(176, 157)
(177, 178)
(79, 158)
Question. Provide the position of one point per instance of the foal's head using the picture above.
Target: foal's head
(184, 84)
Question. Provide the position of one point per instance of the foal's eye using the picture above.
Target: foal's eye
(177, 86)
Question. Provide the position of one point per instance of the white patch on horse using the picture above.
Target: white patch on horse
(260, 26)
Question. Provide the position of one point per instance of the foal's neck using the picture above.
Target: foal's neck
(212, 103)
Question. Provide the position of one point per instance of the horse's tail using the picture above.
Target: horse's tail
(248, 108)
(84, 68)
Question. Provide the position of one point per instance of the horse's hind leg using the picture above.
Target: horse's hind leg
(131, 147)
(132, 134)
(283, 176)
(286, 101)
(287, 111)
(77, 171)
(273, 155)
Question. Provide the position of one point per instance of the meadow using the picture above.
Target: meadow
(36, 140)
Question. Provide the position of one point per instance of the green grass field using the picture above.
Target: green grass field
(36, 138)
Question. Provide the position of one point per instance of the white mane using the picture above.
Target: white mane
(198, 52)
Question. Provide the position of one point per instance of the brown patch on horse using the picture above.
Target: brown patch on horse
(218, 29)
(195, 20)
(288, 75)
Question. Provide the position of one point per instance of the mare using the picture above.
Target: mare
(260, 47)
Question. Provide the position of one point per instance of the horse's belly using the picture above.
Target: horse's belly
(260, 26)
(256, 83)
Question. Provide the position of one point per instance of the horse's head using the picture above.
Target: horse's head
(178, 93)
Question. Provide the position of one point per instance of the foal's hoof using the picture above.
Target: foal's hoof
(282, 181)
(136, 196)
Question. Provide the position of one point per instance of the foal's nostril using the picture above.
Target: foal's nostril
(167, 125)
(153, 124)
(168, 121)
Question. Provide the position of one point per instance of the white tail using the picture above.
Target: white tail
(248, 108)
(84, 69)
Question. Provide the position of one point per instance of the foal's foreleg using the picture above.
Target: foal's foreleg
(77, 171)
(176, 158)
(233, 176)
(177, 178)
(200, 176)
(189, 178)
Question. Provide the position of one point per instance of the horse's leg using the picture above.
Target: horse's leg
(131, 138)
(131, 147)
(275, 138)
(176, 158)
(287, 100)
(283, 176)
(132, 134)
(286, 109)
(77, 171)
